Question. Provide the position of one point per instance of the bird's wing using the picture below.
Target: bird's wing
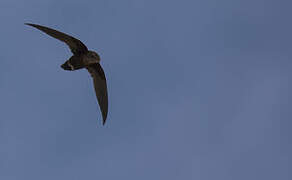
(76, 46)
(100, 87)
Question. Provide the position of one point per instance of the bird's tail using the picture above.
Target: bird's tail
(74, 63)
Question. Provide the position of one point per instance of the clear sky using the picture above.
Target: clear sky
(198, 90)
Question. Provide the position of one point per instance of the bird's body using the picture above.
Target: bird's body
(81, 61)
(83, 58)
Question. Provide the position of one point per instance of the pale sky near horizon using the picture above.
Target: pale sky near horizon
(198, 90)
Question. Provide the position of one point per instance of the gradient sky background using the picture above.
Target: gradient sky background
(197, 90)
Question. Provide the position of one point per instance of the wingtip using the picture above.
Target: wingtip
(30, 24)
(104, 117)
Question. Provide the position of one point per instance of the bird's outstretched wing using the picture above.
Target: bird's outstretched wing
(76, 46)
(100, 87)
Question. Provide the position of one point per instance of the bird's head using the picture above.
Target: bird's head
(94, 55)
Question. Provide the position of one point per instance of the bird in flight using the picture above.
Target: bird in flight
(83, 58)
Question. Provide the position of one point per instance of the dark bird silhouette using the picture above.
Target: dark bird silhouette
(83, 58)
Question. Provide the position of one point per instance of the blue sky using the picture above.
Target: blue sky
(197, 90)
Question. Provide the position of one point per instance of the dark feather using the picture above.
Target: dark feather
(100, 87)
(76, 46)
